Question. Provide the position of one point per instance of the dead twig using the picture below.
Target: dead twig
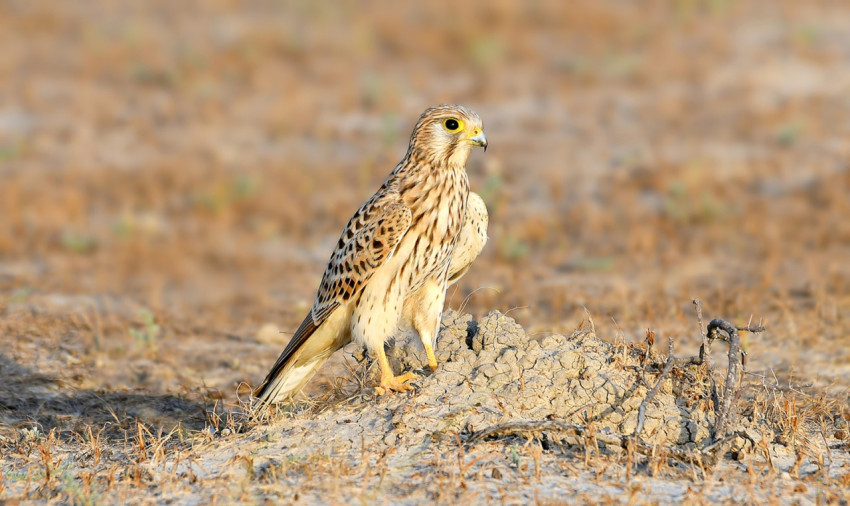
(609, 438)
(725, 413)
(725, 409)
(668, 366)
(704, 349)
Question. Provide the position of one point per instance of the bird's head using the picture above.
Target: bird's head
(445, 135)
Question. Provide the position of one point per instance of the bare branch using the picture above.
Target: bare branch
(725, 413)
(705, 349)
(609, 438)
(652, 393)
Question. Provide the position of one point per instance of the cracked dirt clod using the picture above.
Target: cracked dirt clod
(491, 372)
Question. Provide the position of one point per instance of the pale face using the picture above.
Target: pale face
(447, 134)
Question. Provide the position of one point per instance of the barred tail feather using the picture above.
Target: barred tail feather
(309, 348)
(287, 383)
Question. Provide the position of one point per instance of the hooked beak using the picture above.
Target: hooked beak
(478, 138)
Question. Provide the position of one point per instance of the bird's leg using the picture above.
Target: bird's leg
(427, 338)
(389, 381)
(426, 321)
(432, 360)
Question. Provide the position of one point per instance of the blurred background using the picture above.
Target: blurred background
(174, 175)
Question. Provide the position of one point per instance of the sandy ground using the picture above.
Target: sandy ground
(350, 445)
(174, 176)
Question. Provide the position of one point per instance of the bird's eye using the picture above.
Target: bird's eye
(453, 125)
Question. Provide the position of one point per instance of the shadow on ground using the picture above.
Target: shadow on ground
(34, 399)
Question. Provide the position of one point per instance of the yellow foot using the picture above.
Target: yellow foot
(395, 383)
(432, 360)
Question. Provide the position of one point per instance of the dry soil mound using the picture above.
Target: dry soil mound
(491, 372)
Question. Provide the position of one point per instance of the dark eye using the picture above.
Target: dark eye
(452, 125)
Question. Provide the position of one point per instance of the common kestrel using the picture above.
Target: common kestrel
(391, 265)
